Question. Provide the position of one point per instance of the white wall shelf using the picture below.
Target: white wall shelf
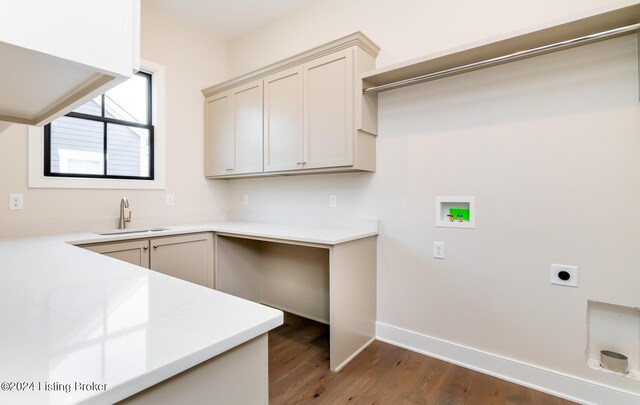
(475, 55)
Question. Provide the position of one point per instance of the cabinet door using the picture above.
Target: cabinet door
(283, 120)
(328, 110)
(219, 136)
(188, 257)
(136, 252)
(247, 128)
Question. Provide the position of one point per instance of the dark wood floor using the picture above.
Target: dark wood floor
(381, 374)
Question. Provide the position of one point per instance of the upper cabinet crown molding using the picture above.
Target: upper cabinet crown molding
(58, 55)
(354, 39)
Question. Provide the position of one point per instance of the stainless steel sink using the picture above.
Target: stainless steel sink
(132, 230)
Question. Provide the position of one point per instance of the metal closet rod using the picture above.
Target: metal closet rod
(505, 58)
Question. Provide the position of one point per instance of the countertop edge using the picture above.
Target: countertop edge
(228, 228)
(143, 382)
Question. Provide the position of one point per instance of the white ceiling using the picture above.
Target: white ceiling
(228, 19)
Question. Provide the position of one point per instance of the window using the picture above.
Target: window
(84, 167)
(111, 136)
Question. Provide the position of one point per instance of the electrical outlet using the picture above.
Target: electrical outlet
(438, 250)
(564, 275)
(245, 199)
(170, 200)
(333, 200)
(16, 201)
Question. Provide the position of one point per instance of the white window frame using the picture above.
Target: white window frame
(37, 179)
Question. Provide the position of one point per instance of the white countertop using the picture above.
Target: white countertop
(70, 315)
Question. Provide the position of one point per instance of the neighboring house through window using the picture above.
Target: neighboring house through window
(116, 140)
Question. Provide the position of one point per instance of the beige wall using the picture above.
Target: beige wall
(404, 29)
(193, 60)
(548, 146)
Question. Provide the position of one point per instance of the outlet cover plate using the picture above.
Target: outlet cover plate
(16, 201)
(438, 250)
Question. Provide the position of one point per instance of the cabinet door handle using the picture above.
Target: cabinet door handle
(155, 246)
(145, 247)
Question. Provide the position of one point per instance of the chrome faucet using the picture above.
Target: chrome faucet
(124, 203)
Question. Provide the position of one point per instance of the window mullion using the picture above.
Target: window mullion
(149, 101)
(47, 150)
(107, 119)
(105, 148)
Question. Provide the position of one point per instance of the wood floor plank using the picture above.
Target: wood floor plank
(382, 374)
(488, 390)
(430, 379)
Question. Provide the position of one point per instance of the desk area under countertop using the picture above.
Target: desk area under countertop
(321, 273)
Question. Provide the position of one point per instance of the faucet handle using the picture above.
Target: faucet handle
(128, 219)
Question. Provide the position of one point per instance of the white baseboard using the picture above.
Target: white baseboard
(549, 381)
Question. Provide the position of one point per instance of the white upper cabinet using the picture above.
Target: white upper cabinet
(233, 144)
(219, 135)
(56, 55)
(328, 111)
(315, 117)
(246, 153)
(283, 120)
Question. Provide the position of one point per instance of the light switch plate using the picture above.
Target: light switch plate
(333, 200)
(245, 199)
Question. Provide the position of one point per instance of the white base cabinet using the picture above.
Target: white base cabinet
(312, 117)
(134, 252)
(187, 257)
